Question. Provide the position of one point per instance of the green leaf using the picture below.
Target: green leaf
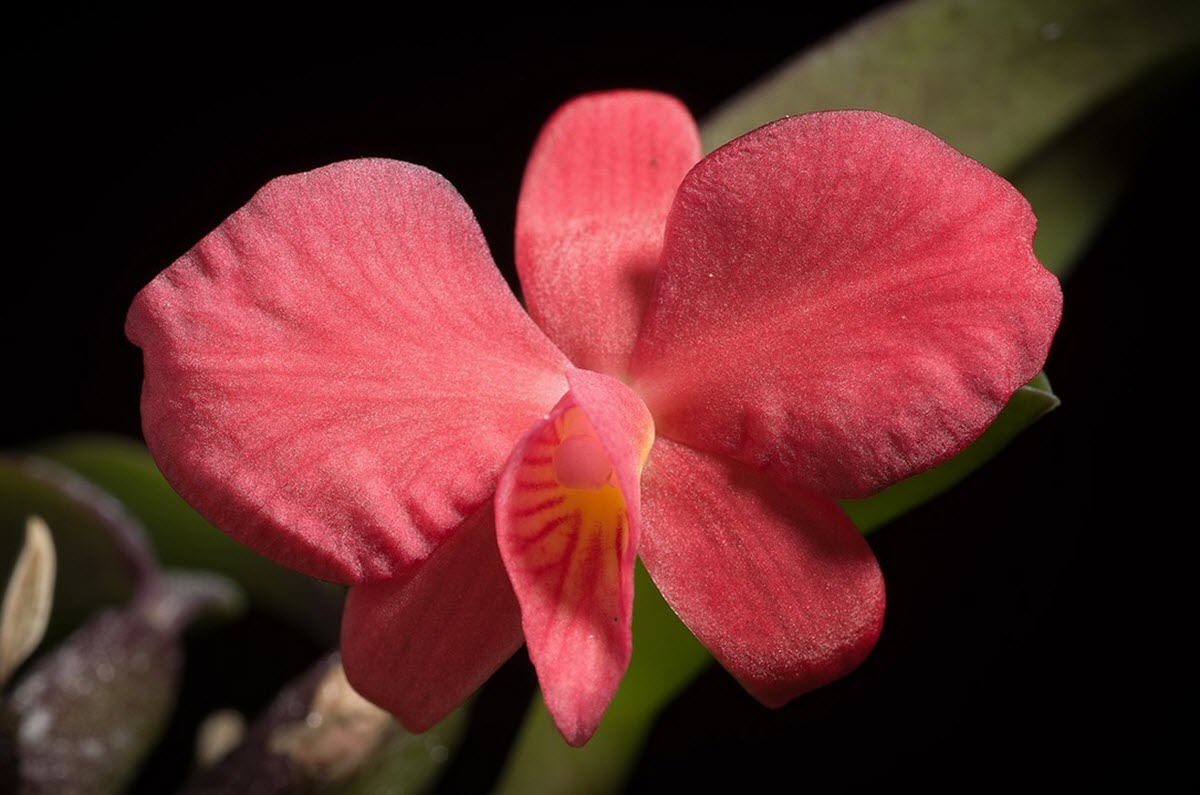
(1075, 180)
(997, 80)
(182, 538)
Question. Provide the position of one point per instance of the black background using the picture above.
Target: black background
(1014, 648)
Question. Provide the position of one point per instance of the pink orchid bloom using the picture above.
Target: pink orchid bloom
(716, 350)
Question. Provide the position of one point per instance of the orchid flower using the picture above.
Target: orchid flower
(716, 350)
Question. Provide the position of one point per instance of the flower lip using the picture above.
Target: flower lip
(567, 520)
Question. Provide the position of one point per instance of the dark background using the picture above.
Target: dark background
(1014, 649)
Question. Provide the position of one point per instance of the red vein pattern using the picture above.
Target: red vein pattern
(568, 540)
(318, 383)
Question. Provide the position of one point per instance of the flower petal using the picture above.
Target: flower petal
(843, 300)
(590, 219)
(418, 645)
(337, 373)
(775, 581)
(567, 517)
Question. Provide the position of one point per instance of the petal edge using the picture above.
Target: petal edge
(871, 295)
(420, 644)
(774, 581)
(316, 365)
(567, 520)
(590, 219)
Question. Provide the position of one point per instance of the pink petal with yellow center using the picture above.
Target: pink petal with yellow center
(843, 300)
(418, 645)
(775, 581)
(336, 374)
(567, 518)
(590, 219)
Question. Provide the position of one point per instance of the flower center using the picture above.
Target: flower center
(581, 462)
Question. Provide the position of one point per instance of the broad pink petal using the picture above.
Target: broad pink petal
(590, 219)
(775, 581)
(336, 375)
(418, 645)
(567, 518)
(843, 300)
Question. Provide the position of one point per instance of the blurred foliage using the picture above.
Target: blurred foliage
(101, 555)
(318, 737)
(84, 716)
(181, 537)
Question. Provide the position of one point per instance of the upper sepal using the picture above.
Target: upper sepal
(591, 215)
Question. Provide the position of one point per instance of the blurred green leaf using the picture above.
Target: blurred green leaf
(184, 539)
(1075, 180)
(997, 80)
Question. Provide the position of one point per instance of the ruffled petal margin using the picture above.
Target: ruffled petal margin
(336, 375)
